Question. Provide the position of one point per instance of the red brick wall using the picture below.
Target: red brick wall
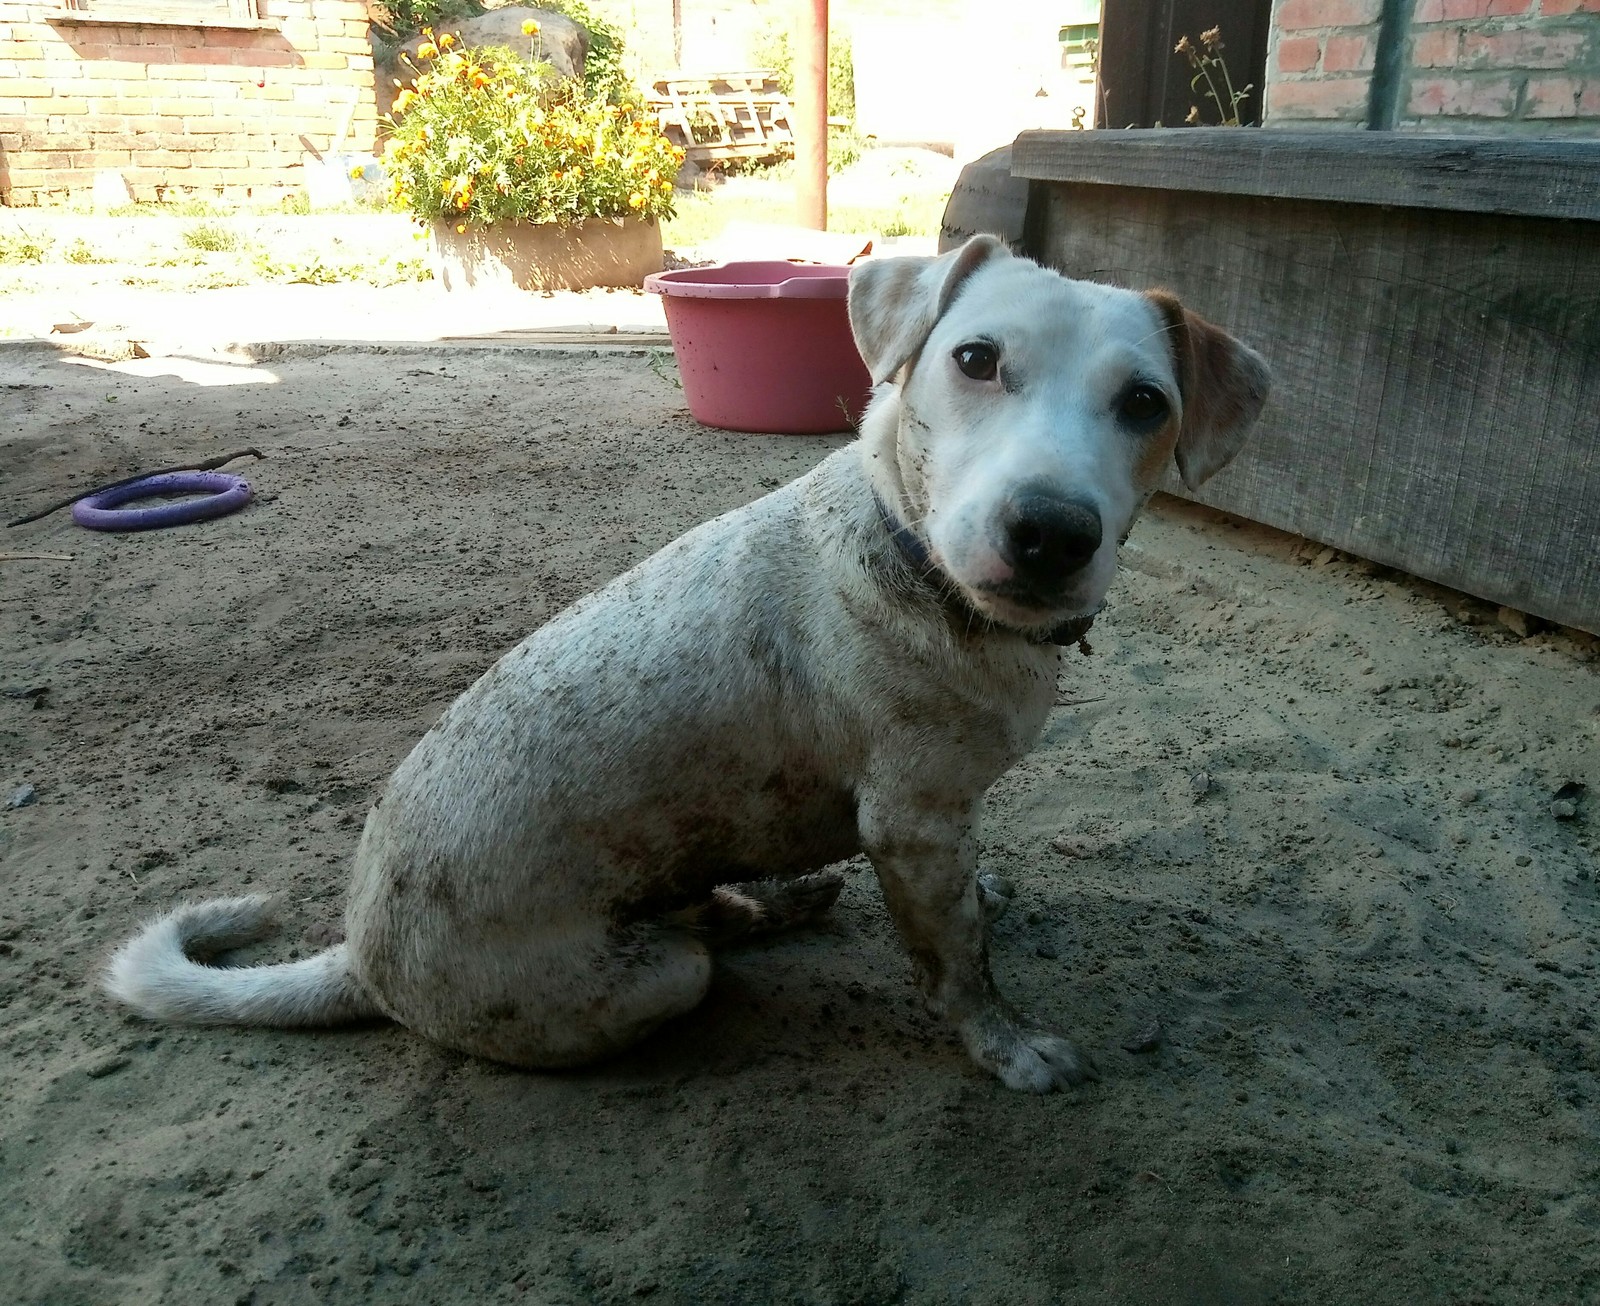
(180, 111)
(1524, 67)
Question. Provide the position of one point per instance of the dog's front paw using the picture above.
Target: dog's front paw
(1028, 1060)
(995, 893)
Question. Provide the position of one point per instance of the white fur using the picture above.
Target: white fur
(670, 761)
(154, 973)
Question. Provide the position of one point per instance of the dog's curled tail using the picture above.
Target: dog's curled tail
(157, 974)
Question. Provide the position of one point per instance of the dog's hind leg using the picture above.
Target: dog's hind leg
(566, 1002)
(735, 912)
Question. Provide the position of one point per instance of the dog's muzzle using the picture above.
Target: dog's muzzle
(915, 552)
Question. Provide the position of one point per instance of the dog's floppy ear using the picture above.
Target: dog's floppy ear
(1223, 384)
(895, 302)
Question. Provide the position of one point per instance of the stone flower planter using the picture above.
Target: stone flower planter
(546, 256)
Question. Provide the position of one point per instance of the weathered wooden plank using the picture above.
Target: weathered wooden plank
(1544, 178)
(1437, 375)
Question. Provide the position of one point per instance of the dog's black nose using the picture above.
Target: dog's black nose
(1046, 538)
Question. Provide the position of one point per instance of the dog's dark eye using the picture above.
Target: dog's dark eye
(978, 361)
(1144, 404)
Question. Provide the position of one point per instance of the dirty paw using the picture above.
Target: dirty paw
(1030, 1060)
(994, 895)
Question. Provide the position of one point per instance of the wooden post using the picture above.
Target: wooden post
(811, 114)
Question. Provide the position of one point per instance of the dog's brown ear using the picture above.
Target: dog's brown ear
(895, 302)
(1223, 384)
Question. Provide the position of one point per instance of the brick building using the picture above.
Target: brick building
(204, 98)
(1521, 67)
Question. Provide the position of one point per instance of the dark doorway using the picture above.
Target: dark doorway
(1143, 83)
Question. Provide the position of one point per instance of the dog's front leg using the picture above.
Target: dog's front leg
(924, 850)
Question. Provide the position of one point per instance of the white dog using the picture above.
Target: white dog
(846, 664)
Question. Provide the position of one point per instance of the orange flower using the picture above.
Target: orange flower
(479, 81)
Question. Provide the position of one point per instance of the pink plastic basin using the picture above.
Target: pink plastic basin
(765, 346)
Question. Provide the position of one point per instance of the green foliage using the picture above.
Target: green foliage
(408, 17)
(487, 136)
(81, 251)
(23, 247)
(318, 271)
(212, 237)
(775, 50)
(604, 76)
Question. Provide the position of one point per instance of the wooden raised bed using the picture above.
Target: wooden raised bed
(1431, 310)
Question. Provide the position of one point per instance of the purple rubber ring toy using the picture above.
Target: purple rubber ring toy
(224, 494)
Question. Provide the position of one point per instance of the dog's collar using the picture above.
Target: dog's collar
(915, 552)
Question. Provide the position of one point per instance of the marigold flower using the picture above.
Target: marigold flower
(530, 28)
(427, 50)
(461, 228)
(446, 41)
(404, 101)
(636, 200)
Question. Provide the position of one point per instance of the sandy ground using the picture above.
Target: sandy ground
(1369, 944)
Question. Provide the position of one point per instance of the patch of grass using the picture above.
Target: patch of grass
(912, 215)
(23, 247)
(701, 217)
(212, 237)
(81, 251)
(317, 271)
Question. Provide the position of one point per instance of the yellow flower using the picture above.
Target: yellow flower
(427, 50)
(636, 200)
(446, 41)
(530, 28)
(357, 173)
(404, 101)
(461, 228)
